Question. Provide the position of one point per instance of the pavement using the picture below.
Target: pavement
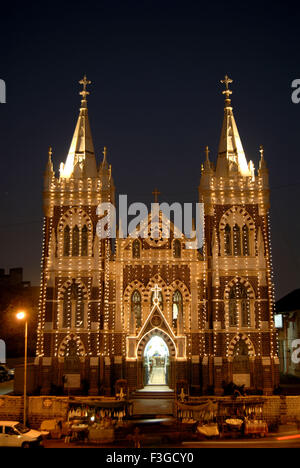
(6, 387)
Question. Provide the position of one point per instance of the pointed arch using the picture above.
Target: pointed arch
(136, 307)
(63, 346)
(233, 234)
(177, 308)
(236, 240)
(72, 304)
(68, 283)
(67, 241)
(235, 340)
(68, 235)
(245, 240)
(156, 332)
(84, 241)
(75, 241)
(136, 284)
(239, 303)
(227, 240)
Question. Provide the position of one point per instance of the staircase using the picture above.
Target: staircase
(154, 392)
(153, 401)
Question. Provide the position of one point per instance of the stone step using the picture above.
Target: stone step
(154, 392)
(153, 395)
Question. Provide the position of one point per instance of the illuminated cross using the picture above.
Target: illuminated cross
(227, 81)
(156, 193)
(84, 83)
(207, 153)
(156, 290)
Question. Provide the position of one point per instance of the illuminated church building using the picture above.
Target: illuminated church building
(151, 308)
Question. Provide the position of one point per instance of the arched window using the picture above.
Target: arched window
(236, 240)
(160, 300)
(84, 241)
(241, 363)
(239, 306)
(177, 248)
(66, 241)
(67, 309)
(245, 240)
(233, 311)
(136, 249)
(73, 307)
(75, 241)
(136, 307)
(177, 308)
(227, 240)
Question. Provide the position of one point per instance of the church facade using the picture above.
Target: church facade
(117, 309)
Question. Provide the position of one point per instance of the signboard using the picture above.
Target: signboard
(72, 381)
(241, 379)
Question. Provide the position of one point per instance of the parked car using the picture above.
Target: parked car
(6, 373)
(14, 434)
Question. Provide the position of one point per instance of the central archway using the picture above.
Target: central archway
(156, 352)
(156, 361)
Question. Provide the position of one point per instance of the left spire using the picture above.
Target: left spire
(81, 161)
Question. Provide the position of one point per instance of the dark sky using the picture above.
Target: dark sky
(155, 103)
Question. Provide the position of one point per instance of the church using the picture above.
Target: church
(148, 309)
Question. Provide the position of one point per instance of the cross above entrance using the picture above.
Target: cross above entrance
(156, 290)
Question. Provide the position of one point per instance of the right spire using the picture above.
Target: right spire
(231, 155)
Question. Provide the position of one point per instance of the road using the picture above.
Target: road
(268, 442)
(6, 387)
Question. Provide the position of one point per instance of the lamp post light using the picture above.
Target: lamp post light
(22, 316)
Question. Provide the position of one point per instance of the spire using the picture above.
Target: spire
(231, 155)
(207, 164)
(49, 167)
(81, 154)
(104, 166)
(105, 175)
(262, 162)
(49, 172)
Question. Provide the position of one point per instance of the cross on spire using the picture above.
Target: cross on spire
(207, 153)
(261, 150)
(226, 81)
(156, 290)
(155, 193)
(84, 82)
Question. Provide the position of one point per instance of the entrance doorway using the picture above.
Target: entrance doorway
(156, 362)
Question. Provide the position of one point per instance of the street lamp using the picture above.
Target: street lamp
(22, 316)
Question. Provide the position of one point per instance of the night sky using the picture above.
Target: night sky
(156, 102)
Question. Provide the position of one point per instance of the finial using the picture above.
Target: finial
(207, 153)
(84, 92)
(155, 193)
(227, 91)
(104, 153)
(261, 150)
(50, 152)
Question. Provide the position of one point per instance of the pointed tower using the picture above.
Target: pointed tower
(231, 155)
(81, 159)
(239, 287)
(75, 265)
